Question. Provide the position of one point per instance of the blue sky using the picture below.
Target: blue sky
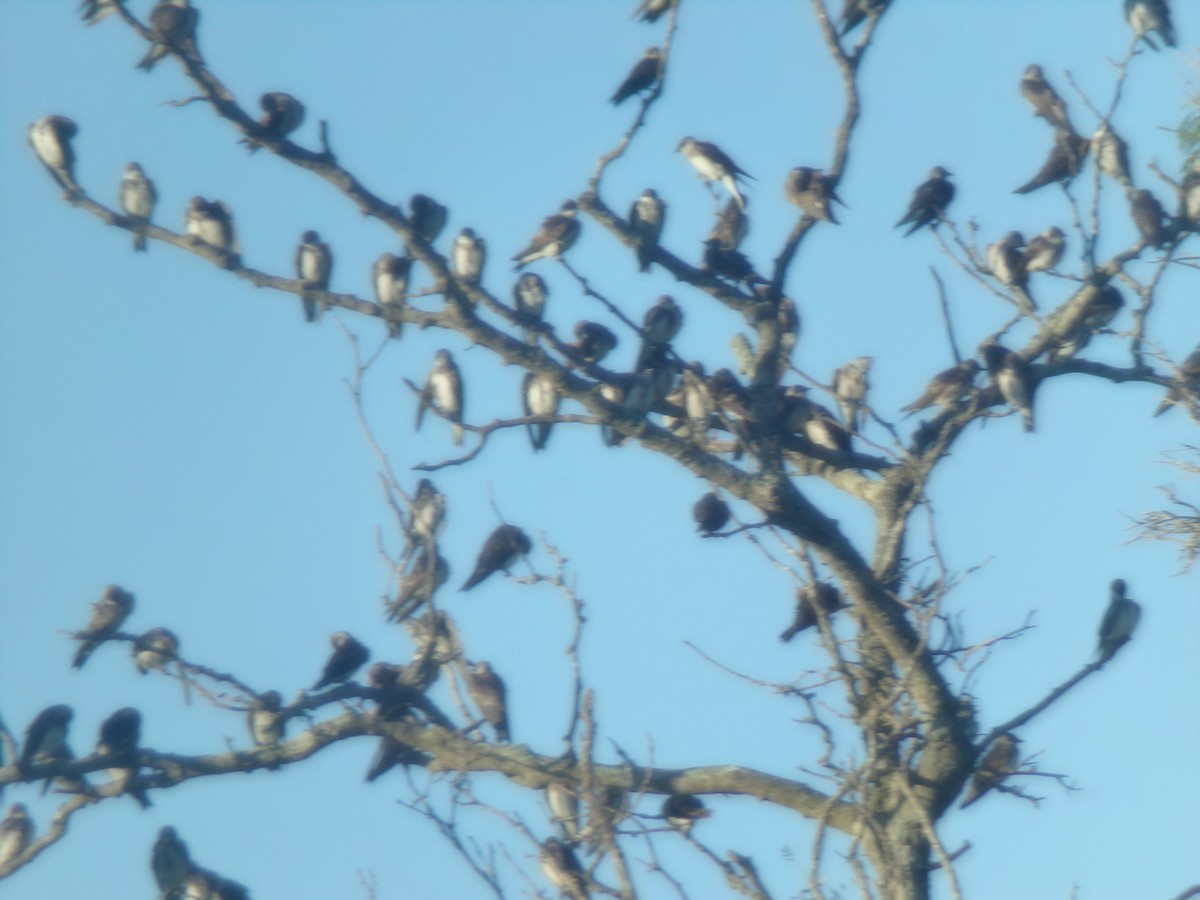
(178, 432)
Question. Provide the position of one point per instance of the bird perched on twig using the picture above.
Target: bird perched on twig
(998, 763)
(443, 391)
(50, 138)
(558, 861)
(855, 12)
(1043, 98)
(1187, 382)
(646, 218)
(347, 658)
(503, 547)
(811, 190)
(1014, 378)
(468, 255)
(314, 265)
(711, 513)
(1120, 619)
(555, 237)
(539, 397)
(137, 196)
(108, 615)
(1063, 164)
(1151, 15)
(170, 863)
(154, 649)
(282, 114)
(488, 692)
(16, 831)
(1112, 155)
(946, 388)
(851, 384)
(683, 811)
(1148, 214)
(929, 201)
(809, 598)
(642, 77)
(211, 222)
(1044, 251)
(428, 217)
(390, 279)
(713, 164)
(172, 27)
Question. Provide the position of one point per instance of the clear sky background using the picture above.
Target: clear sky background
(173, 430)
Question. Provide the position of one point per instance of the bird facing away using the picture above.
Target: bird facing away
(137, 196)
(713, 164)
(503, 547)
(490, 696)
(108, 615)
(211, 222)
(1063, 164)
(119, 736)
(711, 513)
(683, 811)
(726, 263)
(1014, 378)
(662, 322)
(390, 279)
(50, 138)
(855, 12)
(561, 867)
(46, 736)
(554, 238)
(929, 202)
(1043, 98)
(347, 657)
(1147, 214)
(998, 763)
(731, 227)
(946, 388)
(265, 721)
(1120, 619)
(646, 218)
(172, 27)
(810, 598)
(154, 649)
(593, 342)
(443, 391)
(1145, 16)
(16, 831)
(428, 216)
(810, 190)
(1112, 155)
(170, 863)
(642, 77)
(1187, 382)
(1044, 251)
(850, 384)
(539, 397)
(314, 265)
(282, 114)
(468, 255)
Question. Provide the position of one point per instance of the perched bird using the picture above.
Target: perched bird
(211, 223)
(137, 196)
(809, 598)
(436, 628)
(95, 11)
(564, 808)
(554, 238)
(314, 265)
(529, 300)
(501, 549)
(108, 615)
(662, 321)
(1064, 162)
(850, 384)
(46, 736)
(822, 429)
(1112, 155)
(711, 513)
(419, 584)
(1151, 15)
(428, 216)
(539, 397)
(170, 863)
(1014, 378)
(810, 190)
(1043, 98)
(391, 753)
(642, 77)
(282, 114)
(929, 202)
(119, 736)
(468, 255)
(728, 393)
(443, 391)
(651, 11)
(731, 227)
(489, 695)
(697, 402)
(1101, 309)
(683, 811)
(1044, 251)
(1187, 382)
(1189, 197)
(347, 658)
(1006, 259)
(154, 649)
(559, 863)
(16, 831)
(854, 12)
(646, 218)
(789, 329)
(390, 277)
(172, 27)
(427, 513)
(592, 342)
(727, 263)
(660, 368)
(266, 723)
(634, 394)
(1120, 619)
(1148, 215)
(50, 138)
(946, 388)
(713, 165)
(998, 763)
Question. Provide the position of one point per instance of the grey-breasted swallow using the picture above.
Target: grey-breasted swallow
(696, 400)
(46, 736)
(443, 391)
(561, 867)
(1014, 378)
(16, 831)
(651, 11)
(1112, 155)
(95, 11)
(810, 190)
(314, 265)
(211, 222)
(427, 513)
(201, 884)
(1187, 382)
(812, 420)
(108, 615)
(154, 649)
(539, 397)
(564, 808)
(1006, 259)
(1044, 251)
(726, 263)
(347, 657)
(850, 384)
(1043, 98)
(809, 598)
(946, 388)
(593, 342)
(710, 513)
(731, 227)
(228, 889)
(265, 721)
(1120, 619)
(1101, 309)
(50, 137)
(1063, 164)
(468, 255)
(529, 299)
(419, 584)
(490, 696)
(1145, 16)
(390, 278)
(855, 12)
(172, 27)
(646, 218)
(714, 165)
(137, 196)
(1189, 197)
(683, 811)
(1147, 214)
(998, 763)
(118, 740)
(428, 216)
(170, 863)
(554, 238)
(642, 77)
(929, 201)
(282, 114)
(503, 547)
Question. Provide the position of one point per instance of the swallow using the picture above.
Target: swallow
(811, 190)
(95, 11)
(1119, 622)
(427, 512)
(929, 202)
(468, 256)
(1044, 251)
(998, 763)
(1147, 214)
(696, 400)
(558, 861)
(154, 649)
(16, 831)
(529, 299)
(489, 695)
(564, 808)
(850, 384)
(433, 627)
(810, 598)
(662, 322)
(554, 238)
(1006, 259)
(443, 391)
(710, 513)
(855, 12)
(119, 736)
(726, 263)
(646, 218)
(314, 265)
(731, 227)
(1189, 197)
(592, 342)
(137, 196)
(1151, 15)
(1014, 378)
(1112, 155)
(172, 27)
(265, 721)
(713, 165)
(390, 277)
(108, 615)
(211, 223)
(818, 425)
(651, 11)
(1063, 164)
(1101, 309)
(539, 397)
(642, 77)
(428, 217)
(347, 658)
(947, 388)
(789, 329)
(1044, 99)
(632, 393)
(419, 584)
(683, 811)
(391, 753)
(282, 114)
(730, 397)
(170, 863)
(1187, 382)
(46, 736)
(501, 549)
(228, 889)
(660, 368)
(202, 884)
(50, 138)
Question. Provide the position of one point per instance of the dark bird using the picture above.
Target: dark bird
(789, 328)
(728, 393)
(1044, 251)
(46, 736)
(1189, 197)
(108, 615)
(1186, 382)
(282, 114)
(657, 365)
(713, 165)
(391, 753)
(443, 391)
(633, 394)
(170, 863)
(731, 227)
(95, 11)
(50, 139)
(428, 217)
(564, 808)
(503, 547)
(119, 736)
(539, 397)
(16, 831)
(137, 196)
(592, 343)
(642, 77)
(1006, 259)
(1112, 155)
(211, 222)
(1120, 619)
(726, 263)
(172, 27)
(811, 190)
(815, 422)
(1064, 162)
(560, 865)
(427, 514)
(390, 277)
(314, 265)
(529, 300)
(850, 384)
(489, 695)
(1101, 309)
(683, 811)
(809, 598)
(998, 763)
(1044, 99)
(554, 238)
(265, 721)
(347, 657)
(946, 388)
(929, 203)
(419, 584)
(1147, 215)
(711, 513)
(646, 218)
(1151, 15)
(154, 649)
(468, 256)
(662, 321)
(855, 12)
(1014, 378)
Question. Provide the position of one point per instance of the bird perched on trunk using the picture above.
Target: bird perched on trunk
(642, 77)
(119, 736)
(1014, 378)
(554, 238)
(592, 343)
(1063, 164)
(811, 190)
(443, 391)
(731, 227)
(468, 256)
(998, 763)
(390, 278)
(490, 696)
(539, 397)
(1120, 619)
(1006, 259)
(172, 27)
(1112, 155)
(850, 384)
(314, 265)
(946, 388)
(1151, 15)
(503, 547)
(529, 300)
(558, 861)
(137, 196)
(50, 138)
(427, 217)
(154, 649)
(714, 165)
(929, 201)
(855, 12)
(108, 615)
(266, 722)
(1147, 214)
(1043, 98)
(16, 831)
(646, 218)
(1189, 197)
(711, 513)
(282, 114)
(170, 863)
(347, 657)
(809, 598)
(1044, 251)
(1187, 382)
(564, 808)
(211, 222)
(683, 811)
